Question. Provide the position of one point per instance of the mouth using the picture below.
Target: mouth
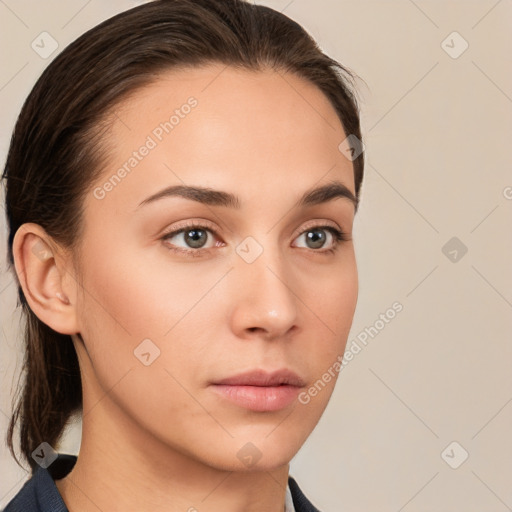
(259, 390)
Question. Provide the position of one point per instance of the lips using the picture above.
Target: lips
(259, 390)
(264, 378)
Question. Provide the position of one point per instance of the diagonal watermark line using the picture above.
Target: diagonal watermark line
(282, 76)
(508, 507)
(490, 284)
(410, 409)
(226, 477)
(254, 2)
(13, 280)
(492, 81)
(424, 13)
(206, 205)
(492, 211)
(80, 285)
(106, 393)
(6, 286)
(404, 95)
(78, 12)
(283, 216)
(15, 485)
(301, 300)
(199, 300)
(491, 419)
(422, 280)
(287, 5)
(216, 487)
(200, 404)
(214, 78)
(7, 416)
(84, 494)
(116, 115)
(2, 2)
(281, 422)
(283, 487)
(12, 78)
(408, 202)
(405, 504)
(485, 15)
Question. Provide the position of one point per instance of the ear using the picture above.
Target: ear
(44, 275)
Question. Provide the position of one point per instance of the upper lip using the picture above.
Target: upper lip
(263, 378)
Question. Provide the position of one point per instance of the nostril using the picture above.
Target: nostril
(256, 329)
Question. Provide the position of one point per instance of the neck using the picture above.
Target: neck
(121, 469)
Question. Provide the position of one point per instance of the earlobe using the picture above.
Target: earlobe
(41, 272)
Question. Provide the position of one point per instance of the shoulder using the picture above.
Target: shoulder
(300, 502)
(39, 493)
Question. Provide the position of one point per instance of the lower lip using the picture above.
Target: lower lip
(259, 398)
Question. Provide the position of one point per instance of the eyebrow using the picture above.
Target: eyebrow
(208, 196)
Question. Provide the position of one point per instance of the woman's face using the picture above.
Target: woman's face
(259, 283)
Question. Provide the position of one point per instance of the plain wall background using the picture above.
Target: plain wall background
(437, 132)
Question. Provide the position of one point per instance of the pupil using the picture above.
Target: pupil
(317, 237)
(195, 235)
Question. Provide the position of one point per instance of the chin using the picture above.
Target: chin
(252, 460)
(266, 450)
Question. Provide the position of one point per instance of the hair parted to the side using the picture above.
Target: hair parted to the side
(56, 150)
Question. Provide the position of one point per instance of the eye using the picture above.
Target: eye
(195, 238)
(316, 237)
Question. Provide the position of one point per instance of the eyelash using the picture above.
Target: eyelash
(338, 236)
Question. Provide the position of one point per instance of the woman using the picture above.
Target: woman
(181, 187)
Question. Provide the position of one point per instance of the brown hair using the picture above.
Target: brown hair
(56, 152)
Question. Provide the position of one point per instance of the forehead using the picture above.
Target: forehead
(224, 88)
(225, 128)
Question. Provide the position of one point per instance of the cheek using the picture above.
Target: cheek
(132, 297)
(332, 297)
(333, 310)
(125, 303)
(142, 295)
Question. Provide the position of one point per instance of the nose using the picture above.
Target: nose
(264, 303)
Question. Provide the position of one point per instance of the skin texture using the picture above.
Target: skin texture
(158, 437)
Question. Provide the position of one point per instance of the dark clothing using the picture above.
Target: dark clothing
(40, 494)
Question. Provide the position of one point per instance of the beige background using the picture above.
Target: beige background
(437, 133)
